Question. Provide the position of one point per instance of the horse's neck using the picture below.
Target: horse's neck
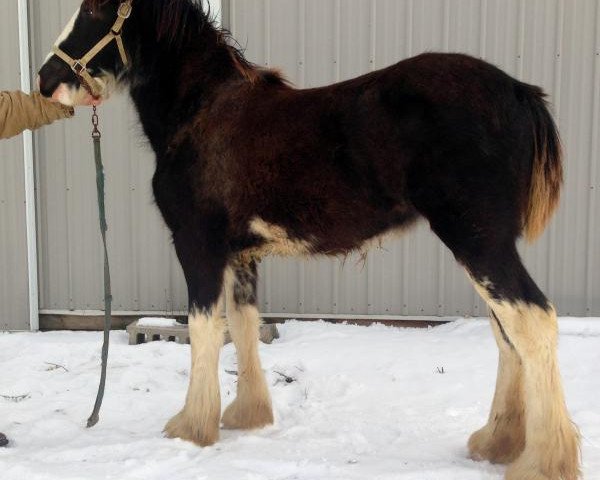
(169, 86)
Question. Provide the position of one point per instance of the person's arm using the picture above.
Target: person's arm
(19, 111)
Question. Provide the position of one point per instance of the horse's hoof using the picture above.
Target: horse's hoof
(550, 464)
(3, 440)
(500, 447)
(249, 415)
(187, 428)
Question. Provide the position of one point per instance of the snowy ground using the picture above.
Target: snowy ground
(366, 403)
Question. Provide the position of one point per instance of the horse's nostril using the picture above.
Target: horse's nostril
(47, 88)
(42, 86)
(47, 81)
(49, 77)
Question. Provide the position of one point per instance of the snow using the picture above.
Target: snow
(157, 322)
(364, 403)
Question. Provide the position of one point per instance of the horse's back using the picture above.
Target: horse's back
(340, 164)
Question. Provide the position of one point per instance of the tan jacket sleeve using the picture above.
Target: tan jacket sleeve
(19, 111)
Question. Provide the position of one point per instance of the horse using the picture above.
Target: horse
(247, 166)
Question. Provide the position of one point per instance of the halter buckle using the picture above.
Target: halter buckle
(124, 10)
(78, 67)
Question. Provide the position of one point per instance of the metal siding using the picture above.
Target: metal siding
(14, 310)
(593, 250)
(554, 43)
(570, 252)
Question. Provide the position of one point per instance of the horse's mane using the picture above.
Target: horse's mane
(178, 20)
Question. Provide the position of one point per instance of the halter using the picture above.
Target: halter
(79, 67)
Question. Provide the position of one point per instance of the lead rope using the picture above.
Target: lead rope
(96, 136)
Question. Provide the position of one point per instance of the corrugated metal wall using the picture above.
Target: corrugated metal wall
(14, 310)
(555, 43)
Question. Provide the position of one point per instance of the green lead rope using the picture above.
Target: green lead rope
(95, 416)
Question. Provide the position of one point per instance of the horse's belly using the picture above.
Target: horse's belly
(277, 241)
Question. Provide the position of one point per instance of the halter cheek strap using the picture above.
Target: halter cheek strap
(79, 66)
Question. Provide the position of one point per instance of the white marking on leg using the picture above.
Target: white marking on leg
(252, 406)
(502, 439)
(199, 420)
(552, 441)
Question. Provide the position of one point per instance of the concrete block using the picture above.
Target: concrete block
(180, 334)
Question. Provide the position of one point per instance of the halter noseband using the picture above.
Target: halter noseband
(79, 67)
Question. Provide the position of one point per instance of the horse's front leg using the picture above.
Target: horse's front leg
(252, 406)
(203, 266)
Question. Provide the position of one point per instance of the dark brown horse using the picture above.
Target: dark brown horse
(247, 166)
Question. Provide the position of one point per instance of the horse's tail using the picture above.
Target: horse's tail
(547, 171)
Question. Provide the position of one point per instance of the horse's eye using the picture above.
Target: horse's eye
(88, 11)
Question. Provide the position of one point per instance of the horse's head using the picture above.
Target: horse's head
(89, 55)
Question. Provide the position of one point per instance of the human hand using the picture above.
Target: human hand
(74, 98)
(87, 100)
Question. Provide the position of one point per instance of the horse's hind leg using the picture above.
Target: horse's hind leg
(252, 406)
(503, 438)
(529, 424)
(527, 322)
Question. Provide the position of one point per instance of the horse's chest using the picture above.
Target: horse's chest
(174, 195)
